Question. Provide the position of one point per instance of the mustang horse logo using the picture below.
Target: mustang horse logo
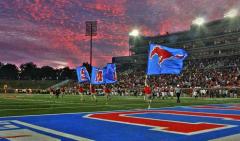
(99, 76)
(163, 54)
(83, 75)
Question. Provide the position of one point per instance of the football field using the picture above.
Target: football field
(41, 117)
(22, 104)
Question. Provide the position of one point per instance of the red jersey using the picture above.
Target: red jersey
(93, 90)
(147, 90)
(107, 90)
(80, 89)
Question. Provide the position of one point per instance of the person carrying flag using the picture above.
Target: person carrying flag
(81, 90)
(107, 92)
(171, 92)
(155, 91)
(57, 93)
(166, 60)
(5, 87)
(163, 92)
(93, 93)
(148, 93)
(51, 91)
(62, 91)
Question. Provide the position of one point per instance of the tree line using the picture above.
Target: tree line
(30, 71)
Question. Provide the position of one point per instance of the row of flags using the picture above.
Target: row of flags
(161, 60)
(106, 75)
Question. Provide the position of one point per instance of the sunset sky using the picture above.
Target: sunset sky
(52, 32)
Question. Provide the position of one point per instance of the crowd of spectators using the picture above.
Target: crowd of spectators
(197, 74)
(207, 74)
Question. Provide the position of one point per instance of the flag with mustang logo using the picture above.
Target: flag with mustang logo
(165, 60)
(82, 74)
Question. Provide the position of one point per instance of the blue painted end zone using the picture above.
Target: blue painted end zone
(94, 129)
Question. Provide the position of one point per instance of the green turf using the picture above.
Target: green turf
(13, 104)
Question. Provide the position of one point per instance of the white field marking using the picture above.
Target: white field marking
(86, 112)
(25, 135)
(189, 106)
(25, 102)
(182, 114)
(50, 101)
(214, 108)
(62, 134)
(28, 104)
(235, 137)
(44, 103)
(40, 101)
(60, 107)
(4, 122)
(83, 104)
(154, 128)
(78, 104)
(196, 132)
(75, 113)
(55, 100)
(9, 126)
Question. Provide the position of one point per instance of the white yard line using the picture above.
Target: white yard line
(50, 101)
(59, 107)
(89, 112)
(69, 107)
(62, 134)
(235, 137)
(65, 113)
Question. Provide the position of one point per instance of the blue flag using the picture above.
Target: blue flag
(110, 73)
(97, 76)
(165, 60)
(82, 74)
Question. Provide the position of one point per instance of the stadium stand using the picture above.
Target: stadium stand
(212, 41)
(213, 62)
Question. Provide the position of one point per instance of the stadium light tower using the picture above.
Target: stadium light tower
(132, 36)
(231, 14)
(134, 33)
(199, 21)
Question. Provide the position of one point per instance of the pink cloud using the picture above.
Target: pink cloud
(53, 32)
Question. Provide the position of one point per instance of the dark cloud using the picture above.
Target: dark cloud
(52, 32)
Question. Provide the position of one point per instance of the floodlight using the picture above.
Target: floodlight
(134, 33)
(199, 21)
(231, 14)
